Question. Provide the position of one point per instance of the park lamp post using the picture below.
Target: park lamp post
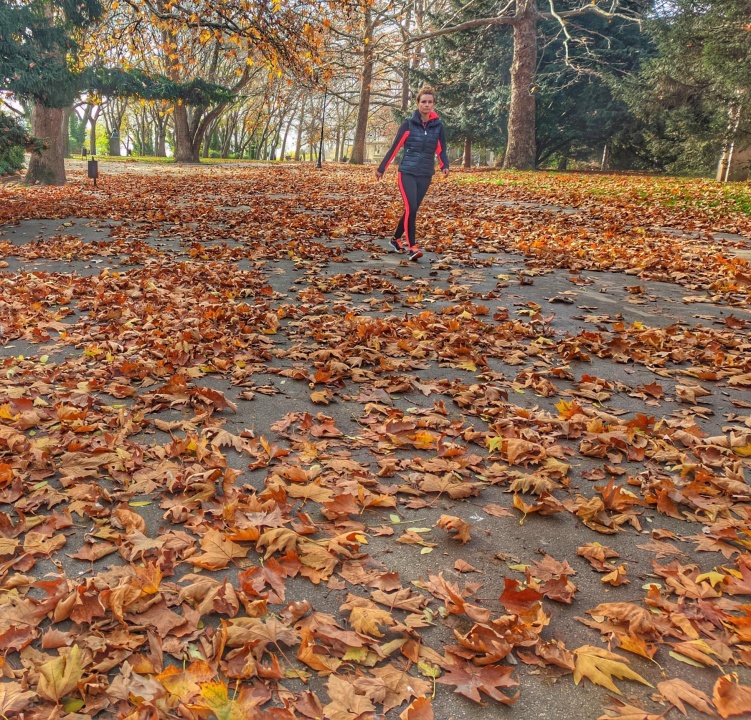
(323, 123)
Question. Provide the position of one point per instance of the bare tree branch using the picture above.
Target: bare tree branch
(469, 25)
(504, 18)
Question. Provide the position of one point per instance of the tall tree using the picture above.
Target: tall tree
(218, 42)
(369, 20)
(527, 19)
(38, 49)
(695, 95)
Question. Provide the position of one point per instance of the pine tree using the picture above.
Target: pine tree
(695, 95)
(575, 111)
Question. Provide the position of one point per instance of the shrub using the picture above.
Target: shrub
(11, 160)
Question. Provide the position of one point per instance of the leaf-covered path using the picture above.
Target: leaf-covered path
(253, 465)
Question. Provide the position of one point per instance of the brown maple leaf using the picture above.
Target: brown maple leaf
(457, 525)
(366, 617)
(617, 577)
(419, 709)
(218, 551)
(470, 680)
(597, 555)
(730, 697)
(742, 585)
(391, 687)
(13, 699)
(346, 704)
(677, 692)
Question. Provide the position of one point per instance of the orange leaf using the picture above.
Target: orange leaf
(730, 697)
(456, 525)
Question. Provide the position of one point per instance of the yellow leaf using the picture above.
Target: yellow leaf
(218, 551)
(684, 659)
(6, 413)
(185, 684)
(365, 616)
(321, 397)
(59, 677)
(495, 444)
(216, 699)
(600, 666)
(714, 578)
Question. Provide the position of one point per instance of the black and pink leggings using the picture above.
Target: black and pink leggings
(413, 191)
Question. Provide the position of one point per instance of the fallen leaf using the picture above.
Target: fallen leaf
(456, 525)
(470, 681)
(60, 677)
(600, 666)
(730, 697)
(677, 691)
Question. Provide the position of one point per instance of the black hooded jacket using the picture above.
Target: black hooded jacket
(421, 141)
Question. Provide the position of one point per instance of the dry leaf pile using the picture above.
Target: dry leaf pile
(262, 586)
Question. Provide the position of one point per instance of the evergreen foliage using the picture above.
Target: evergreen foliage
(37, 43)
(37, 62)
(470, 71)
(577, 112)
(695, 93)
(14, 139)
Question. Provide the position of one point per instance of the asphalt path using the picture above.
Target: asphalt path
(503, 282)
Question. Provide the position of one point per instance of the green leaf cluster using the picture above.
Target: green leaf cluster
(38, 44)
(577, 108)
(694, 95)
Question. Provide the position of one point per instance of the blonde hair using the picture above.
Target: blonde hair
(425, 90)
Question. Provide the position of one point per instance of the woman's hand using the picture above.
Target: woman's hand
(445, 172)
(378, 175)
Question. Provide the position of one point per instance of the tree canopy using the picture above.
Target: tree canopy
(651, 84)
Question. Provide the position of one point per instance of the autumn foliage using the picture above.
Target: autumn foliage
(226, 420)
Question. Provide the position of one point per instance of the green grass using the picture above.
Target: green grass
(150, 159)
(679, 193)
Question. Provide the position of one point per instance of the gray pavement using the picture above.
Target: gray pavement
(298, 290)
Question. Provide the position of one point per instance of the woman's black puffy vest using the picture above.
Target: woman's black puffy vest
(418, 153)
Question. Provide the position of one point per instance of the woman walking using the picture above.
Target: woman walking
(422, 137)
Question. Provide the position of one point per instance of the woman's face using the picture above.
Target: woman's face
(425, 104)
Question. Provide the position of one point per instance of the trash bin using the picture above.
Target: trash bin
(93, 170)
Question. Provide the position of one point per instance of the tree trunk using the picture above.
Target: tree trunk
(366, 81)
(409, 53)
(160, 144)
(298, 144)
(49, 167)
(160, 134)
(736, 154)
(286, 135)
(467, 153)
(184, 149)
(227, 144)
(67, 112)
(739, 162)
(605, 164)
(207, 145)
(520, 152)
(92, 130)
